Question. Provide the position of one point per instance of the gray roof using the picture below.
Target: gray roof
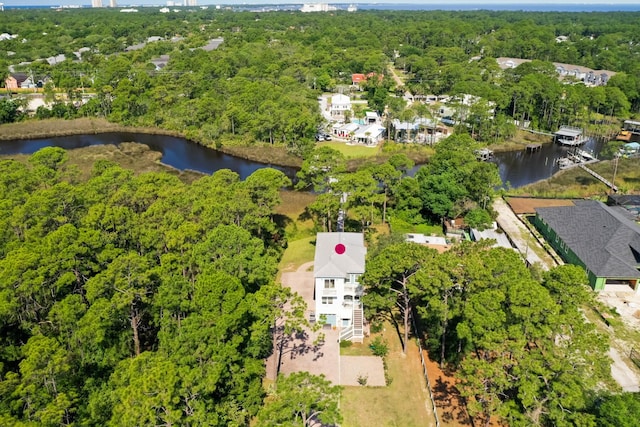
(606, 240)
(329, 263)
(565, 131)
(492, 234)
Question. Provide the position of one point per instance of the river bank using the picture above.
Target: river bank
(515, 163)
(266, 154)
(35, 129)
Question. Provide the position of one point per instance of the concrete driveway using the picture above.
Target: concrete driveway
(318, 352)
(314, 352)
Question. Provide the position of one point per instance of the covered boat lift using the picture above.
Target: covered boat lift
(568, 135)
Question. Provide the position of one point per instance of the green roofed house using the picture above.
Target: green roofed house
(600, 238)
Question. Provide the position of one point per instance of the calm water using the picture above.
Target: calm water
(518, 168)
(177, 152)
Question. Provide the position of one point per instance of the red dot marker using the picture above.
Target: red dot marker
(340, 248)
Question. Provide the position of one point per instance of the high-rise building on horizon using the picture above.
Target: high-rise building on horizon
(113, 3)
(96, 3)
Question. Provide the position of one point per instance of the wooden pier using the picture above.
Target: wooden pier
(533, 147)
(601, 178)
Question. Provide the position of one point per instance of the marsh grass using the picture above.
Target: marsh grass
(31, 129)
(266, 154)
(129, 155)
(576, 183)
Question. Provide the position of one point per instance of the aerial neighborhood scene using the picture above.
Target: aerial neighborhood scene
(319, 214)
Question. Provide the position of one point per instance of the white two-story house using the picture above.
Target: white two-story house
(339, 106)
(339, 263)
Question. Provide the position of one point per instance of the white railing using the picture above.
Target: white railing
(346, 333)
(353, 289)
(329, 292)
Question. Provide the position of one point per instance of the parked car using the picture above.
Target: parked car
(327, 137)
(320, 137)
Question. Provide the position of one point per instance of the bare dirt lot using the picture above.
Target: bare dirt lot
(527, 205)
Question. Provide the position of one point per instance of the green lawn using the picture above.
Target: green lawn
(400, 226)
(352, 151)
(297, 253)
(402, 403)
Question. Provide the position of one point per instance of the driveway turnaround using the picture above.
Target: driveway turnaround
(318, 352)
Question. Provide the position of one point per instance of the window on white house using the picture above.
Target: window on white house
(329, 283)
(328, 300)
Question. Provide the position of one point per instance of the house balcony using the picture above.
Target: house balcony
(329, 292)
(352, 304)
(353, 289)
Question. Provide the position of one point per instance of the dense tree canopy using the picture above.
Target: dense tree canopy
(134, 299)
(519, 345)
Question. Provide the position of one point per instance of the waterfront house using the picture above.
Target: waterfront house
(338, 264)
(369, 135)
(602, 239)
(345, 130)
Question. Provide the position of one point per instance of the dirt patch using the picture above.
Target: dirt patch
(450, 404)
(527, 205)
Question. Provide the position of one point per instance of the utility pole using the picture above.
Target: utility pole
(615, 171)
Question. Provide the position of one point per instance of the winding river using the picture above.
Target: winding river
(176, 152)
(517, 168)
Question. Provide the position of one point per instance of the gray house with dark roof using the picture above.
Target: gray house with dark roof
(338, 264)
(602, 239)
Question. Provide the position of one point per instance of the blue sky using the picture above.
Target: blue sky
(209, 2)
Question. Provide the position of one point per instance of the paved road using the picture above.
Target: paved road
(622, 373)
(520, 236)
(395, 77)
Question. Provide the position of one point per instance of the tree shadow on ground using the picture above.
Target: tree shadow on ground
(298, 344)
(450, 403)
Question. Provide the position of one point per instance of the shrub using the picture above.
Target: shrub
(379, 347)
(376, 327)
(362, 380)
(345, 344)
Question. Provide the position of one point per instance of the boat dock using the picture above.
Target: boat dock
(484, 154)
(576, 158)
(631, 126)
(601, 178)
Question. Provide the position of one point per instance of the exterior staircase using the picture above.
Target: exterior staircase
(358, 325)
(354, 332)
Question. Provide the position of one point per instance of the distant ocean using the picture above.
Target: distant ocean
(532, 7)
